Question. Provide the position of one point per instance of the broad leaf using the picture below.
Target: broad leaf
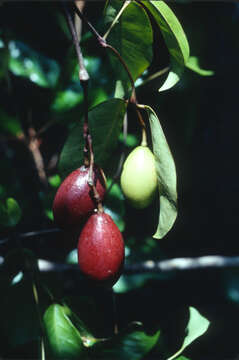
(131, 344)
(132, 36)
(167, 179)
(193, 64)
(63, 339)
(10, 213)
(26, 62)
(197, 326)
(174, 37)
(105, 122)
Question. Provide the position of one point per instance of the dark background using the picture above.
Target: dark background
(200, 120)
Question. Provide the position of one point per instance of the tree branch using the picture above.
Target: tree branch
(149, 266)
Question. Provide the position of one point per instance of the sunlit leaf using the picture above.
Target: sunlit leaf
(133, 344)
(174, 37)
(197, 326)
(167, 178)
(28, 63)
(132, 36)
(10, 213)
(193, 64)
(105, 122)
(63, 339)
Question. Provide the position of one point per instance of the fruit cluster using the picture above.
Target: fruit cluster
(100, 243)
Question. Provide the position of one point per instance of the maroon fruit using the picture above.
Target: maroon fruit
(74, 201)
(101, 250)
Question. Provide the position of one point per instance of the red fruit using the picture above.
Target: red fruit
(74, 201)
(101, 250)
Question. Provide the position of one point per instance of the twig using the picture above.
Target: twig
(33, 146)
(32, 234)
(84, 80)
(126, 3)
(149, 266)
(104, 44)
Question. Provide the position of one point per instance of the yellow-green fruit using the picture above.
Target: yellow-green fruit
(139, 179)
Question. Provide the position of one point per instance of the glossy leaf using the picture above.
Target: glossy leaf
(174, 37)
(131, 344)
(25, 62)
(132, 36)
(167, 177)
(63, 339)
(105, 121)
(10, 213)
(197, 326)
(193, 64)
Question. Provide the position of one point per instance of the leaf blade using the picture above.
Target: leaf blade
(196, 327)
(105, 122)
(167, 178)
(131, 344)
(193, 64)
(175, 39)
(126, 37)
(63, 338)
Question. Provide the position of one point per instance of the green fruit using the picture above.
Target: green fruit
(139, 179)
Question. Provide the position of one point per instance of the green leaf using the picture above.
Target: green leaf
(28, 63)
(105, 122)
(167, 178)
(63, 339)
(193, 64)
(131, 344)
(174, 37)
(197, 326)
(182, 358)
(10, 213)
(132, 36)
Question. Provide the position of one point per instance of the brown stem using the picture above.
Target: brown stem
(33, 146)
(84, 80)
(104, 44)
